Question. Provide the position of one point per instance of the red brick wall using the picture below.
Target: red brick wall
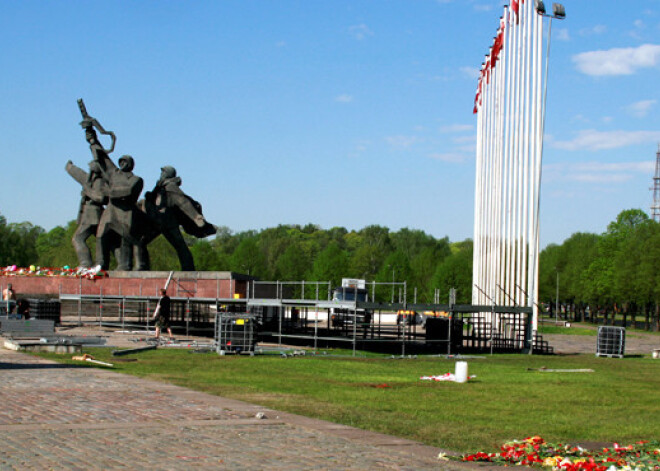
(40, 286)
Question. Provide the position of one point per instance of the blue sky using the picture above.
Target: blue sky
(338, 113)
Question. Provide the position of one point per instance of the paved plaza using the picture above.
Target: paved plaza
(66, 417)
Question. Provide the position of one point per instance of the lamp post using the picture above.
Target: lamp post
(392, 267)
(558, 13)
(557, 298)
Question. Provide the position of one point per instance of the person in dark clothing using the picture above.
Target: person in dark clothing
(23, 308)
(162, 314)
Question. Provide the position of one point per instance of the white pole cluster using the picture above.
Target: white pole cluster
(509, 107)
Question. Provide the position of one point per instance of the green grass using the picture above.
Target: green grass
(577, 330)
(618, 402)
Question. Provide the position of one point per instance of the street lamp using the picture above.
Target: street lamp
(392, 267)
(557, 298)
(558, 13)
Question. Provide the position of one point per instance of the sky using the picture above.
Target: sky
(336, 113)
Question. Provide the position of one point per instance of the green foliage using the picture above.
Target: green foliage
(293, 264)
(331, 264)
(610, 272)
(455, 272)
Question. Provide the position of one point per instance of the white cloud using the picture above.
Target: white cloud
(599, 178)
(344, 98)
(470, 148)
(641, 108)
(639, 27)
(359, 149)
(470, 72)
(457, 128)
(597, 29)
(642, 167)
(483, 7)
(590, 139)
(452, 157)
(618, 61)
(360, 31)
(402, 142)
(580, 118)
(598, 172)
(563, 35)
(463, 139)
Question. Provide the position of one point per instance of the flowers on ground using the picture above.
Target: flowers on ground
(79, 272)
(535, 451)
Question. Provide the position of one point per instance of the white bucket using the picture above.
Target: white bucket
(461, 372)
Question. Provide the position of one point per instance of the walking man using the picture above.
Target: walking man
(162, 314)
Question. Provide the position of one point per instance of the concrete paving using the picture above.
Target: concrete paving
(66, 417)
(636, 343)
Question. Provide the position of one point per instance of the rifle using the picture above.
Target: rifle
(89, 122)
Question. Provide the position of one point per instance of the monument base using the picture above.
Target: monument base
(192, 284)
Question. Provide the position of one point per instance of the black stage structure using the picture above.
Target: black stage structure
(284, 314)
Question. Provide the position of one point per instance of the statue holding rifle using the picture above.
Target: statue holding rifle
(126, 225)
(106, 184)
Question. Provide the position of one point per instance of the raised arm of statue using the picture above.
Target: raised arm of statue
(76, 173)
(94, 187)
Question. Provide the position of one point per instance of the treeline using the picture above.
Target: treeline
(287, 253)
(606, 278)
(599, 277)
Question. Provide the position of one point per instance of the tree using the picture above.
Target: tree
(54, 248)
(292, 265)
(207, 258)
(455, 271)
(396, 268)
(331, 265)
(248, 258)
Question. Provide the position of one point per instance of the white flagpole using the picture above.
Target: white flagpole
(478, 200)
(515, 200)
(509, 56)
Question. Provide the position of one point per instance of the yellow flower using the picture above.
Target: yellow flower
(443, 456)
(552, 461)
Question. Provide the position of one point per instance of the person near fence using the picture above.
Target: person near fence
(162, 314)
(8, 294)
(23, 308)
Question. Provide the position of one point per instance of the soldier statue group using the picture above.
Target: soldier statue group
(111, 210)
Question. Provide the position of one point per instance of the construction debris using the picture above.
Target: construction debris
(543, 369)
(89, 358)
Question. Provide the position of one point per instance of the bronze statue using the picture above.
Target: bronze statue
(168, 207)
(126, 225)
(120, 216)
(94, 197)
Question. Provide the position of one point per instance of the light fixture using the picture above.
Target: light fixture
(540, 7)
(558, 11)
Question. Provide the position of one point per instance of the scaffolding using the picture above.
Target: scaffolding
(299, 313)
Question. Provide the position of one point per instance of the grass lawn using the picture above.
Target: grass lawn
(619, 401)
(575, 330)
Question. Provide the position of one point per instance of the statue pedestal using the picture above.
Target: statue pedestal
(193, 284)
